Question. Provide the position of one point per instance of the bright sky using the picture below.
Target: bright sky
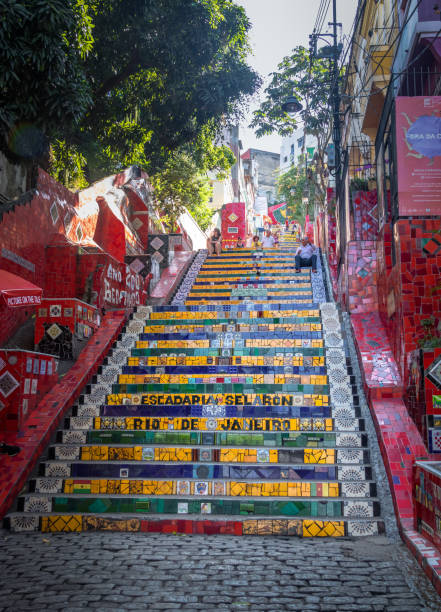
(277, 27)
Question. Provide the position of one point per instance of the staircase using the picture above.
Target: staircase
(232, 410)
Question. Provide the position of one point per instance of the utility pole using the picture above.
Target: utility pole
(336, 101)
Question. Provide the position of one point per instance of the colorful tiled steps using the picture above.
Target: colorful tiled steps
(236, 416)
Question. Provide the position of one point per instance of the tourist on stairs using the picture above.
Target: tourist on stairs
(214, 243)
(268, 240)
(306, 255)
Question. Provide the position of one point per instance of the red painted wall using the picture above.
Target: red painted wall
(28, 377)
(24, 233)
(233, 218)
(45, 236)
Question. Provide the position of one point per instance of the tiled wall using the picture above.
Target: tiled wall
(42, 423)
(358, 275)
(427, 499)
(234, 223)
(40, 237)
(25, 377)
(96, 278)
(407, 290)
(63, 325)
(24, 232)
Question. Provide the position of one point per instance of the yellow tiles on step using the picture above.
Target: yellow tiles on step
(305, 528)
(261, 326)
(200, 360)
(267, 284)
(248, 314)
(66, 523)
(226, 455)
(108, 486)
(264, 302)
(182, 379)
(288, 527)
(211, 424)
(269, 293)
(220, 399)
(249, 343)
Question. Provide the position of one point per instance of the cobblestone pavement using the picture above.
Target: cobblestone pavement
(108, 571)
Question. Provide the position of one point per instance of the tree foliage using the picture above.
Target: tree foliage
(122, 82)
(179, 185)
(43, 46)
(309, 79)
(111, 83)
(167, 69)
(291, 186)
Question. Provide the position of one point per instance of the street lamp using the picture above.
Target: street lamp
(291, 105)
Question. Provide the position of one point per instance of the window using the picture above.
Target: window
(285, 159)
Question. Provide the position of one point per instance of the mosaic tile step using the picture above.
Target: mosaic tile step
(215, 424)
(164, 316)
(303, 411)
(138, 469)
(222, 371)
(353, 440)
(258, 288)
(263, 275)
(239, 526)
(215, 398)
(266, 263)
(232, 324)
(269, 301)
(228, 388)
(232, 309)
(221, 488)
(262, 355)
(207, 327)
(224, 337)
(237, 344)
(297, 294)
(301, 456)
(216, 506)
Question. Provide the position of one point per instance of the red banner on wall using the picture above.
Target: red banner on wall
(418, 129)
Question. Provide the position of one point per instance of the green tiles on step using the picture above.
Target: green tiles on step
(298, 508)
(270, 439)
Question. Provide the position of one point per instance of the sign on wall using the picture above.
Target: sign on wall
(418, 130)
(120, 287)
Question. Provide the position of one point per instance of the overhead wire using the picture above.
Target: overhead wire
(321, 15)
(396, 39)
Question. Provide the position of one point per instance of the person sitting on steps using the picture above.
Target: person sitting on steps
(306, 255)
(214, 242)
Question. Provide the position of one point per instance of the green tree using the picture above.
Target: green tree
(291, 187)
(43, 46)
(309, 79)
(120, 83)
(184, 183)
(179, 185)
(161, 72)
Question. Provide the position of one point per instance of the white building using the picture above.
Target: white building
(292, 146)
